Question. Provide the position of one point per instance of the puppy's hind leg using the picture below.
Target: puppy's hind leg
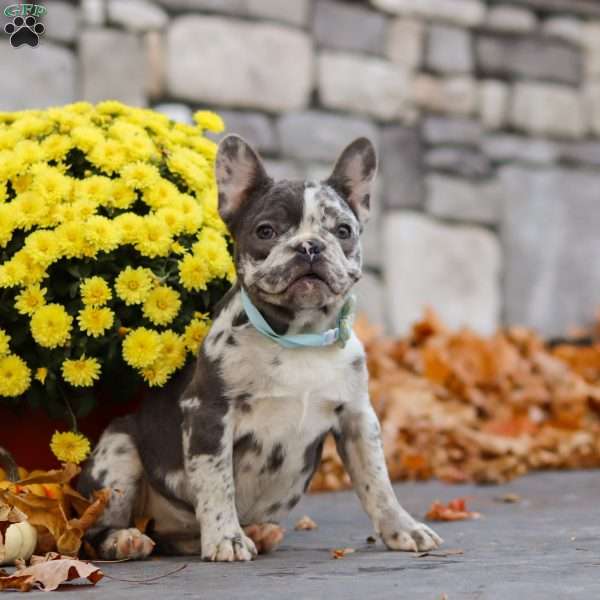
(115, 464)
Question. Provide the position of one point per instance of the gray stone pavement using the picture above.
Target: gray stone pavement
(545, 547)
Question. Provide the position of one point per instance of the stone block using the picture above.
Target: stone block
(342, 26)
(363, 84)
(461, 161)
(451, 130)
(565, 28)
(102, 79)
(513, 148)
(510, 19)
(236, 63)
(62, 22)
(493, 103)
(533, 58)
(453, 269)
(551, 220)
(136, 15)
(448, 49)
(294, 13)
(467, 13)
(405, 42)
(463, 200)
(256, 128)
(452, 95)
(400, 167)
(547, 109)
(315, 135)
(42, 77)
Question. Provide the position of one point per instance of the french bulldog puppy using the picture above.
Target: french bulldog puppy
(237, 437)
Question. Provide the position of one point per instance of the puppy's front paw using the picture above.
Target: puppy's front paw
(126, 543)
(237, 547)
(416, 538)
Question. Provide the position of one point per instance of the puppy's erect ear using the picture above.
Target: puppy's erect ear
(353, 176)
(239, 171)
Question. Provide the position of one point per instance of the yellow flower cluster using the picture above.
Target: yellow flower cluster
(112, 252)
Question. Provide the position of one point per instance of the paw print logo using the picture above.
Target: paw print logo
(24, 31)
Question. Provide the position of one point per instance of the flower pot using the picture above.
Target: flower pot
(26, 433)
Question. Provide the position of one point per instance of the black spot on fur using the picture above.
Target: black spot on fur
(358, 363)
(120, 450)
(339, 408)
(293, 501)
(247, 443)
(276, 458)
(275, 507)
(276, 362)
(102, 476)
(218, 336)
(240, 319)
(231, 341)
(312, 457)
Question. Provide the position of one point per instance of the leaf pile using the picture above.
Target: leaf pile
(461, 407)
(455, 510)
(59, 513)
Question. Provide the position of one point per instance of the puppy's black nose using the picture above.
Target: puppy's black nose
(310, 250)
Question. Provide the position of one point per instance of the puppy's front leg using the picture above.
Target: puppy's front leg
(208, 449)
(359, 445)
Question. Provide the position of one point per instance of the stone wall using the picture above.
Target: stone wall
(486, 116)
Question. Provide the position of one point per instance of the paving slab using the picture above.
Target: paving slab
(546, 546)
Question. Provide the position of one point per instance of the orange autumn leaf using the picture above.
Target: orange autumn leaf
(455, 510)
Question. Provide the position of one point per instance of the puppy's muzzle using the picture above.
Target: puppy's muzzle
(310, 250)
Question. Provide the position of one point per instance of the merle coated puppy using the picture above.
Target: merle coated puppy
(236, 438)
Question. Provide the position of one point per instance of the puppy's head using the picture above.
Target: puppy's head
(297, 243)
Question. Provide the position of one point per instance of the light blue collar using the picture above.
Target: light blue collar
(340, 334)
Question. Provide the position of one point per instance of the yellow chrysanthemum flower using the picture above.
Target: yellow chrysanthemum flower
(193, 167)
(15, 376)
(12, 273)
(129, 225)
(162, 305)
(81, 372)
(209, 120)
(51, 326)
(30, 299)
(70, 447)
(173, 350)
(95, 320)
(194, 273)
(29, 209)
(164, 193)
(192, 213)
(134, 285)
(122, 195)
(4, 341)
(194, 333)
(110, 155)
(95, 291)
(3, 192)
(43, 246)
(56, 146)
(154, 238)
(140, 175)
(157, 374)
(96, 188)
(71, 239)
(50, 184)
(141, 347)
(101, 233)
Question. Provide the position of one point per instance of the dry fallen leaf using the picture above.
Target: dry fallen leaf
(266, 536)
(341, 552)
(305, 523)
(455, 510)
(48, 573)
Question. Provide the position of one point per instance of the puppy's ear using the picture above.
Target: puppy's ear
(353, 176)
(239, 171)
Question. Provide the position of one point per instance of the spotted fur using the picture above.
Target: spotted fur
(235, 439)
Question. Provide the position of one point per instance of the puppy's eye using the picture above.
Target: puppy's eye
(265, 232)
(344, 232)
